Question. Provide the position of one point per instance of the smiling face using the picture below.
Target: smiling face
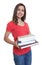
(20, 11)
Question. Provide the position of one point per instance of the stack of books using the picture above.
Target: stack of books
(26, 41)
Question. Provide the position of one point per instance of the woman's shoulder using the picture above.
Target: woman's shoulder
(11, 23)
(26, 23)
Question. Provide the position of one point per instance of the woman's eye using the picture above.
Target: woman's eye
(23, 10)
(18, 9)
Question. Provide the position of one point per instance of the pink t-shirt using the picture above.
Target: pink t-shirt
(16, 31)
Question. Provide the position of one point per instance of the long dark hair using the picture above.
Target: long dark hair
(14, 18)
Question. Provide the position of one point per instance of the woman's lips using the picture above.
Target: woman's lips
(19, 14)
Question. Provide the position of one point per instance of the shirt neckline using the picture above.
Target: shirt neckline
(22, 25)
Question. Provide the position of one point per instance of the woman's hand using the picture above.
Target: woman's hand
(15, 44)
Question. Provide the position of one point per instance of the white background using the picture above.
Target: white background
(33, 18)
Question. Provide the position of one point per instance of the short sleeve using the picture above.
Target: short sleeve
(28, 28)
(9, 27)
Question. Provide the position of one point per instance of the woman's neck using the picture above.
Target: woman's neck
(19, 21)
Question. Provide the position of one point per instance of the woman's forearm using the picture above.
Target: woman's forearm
(9, 41)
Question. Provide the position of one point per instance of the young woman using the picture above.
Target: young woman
(18, 27)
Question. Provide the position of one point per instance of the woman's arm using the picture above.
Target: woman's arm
(6, 39)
